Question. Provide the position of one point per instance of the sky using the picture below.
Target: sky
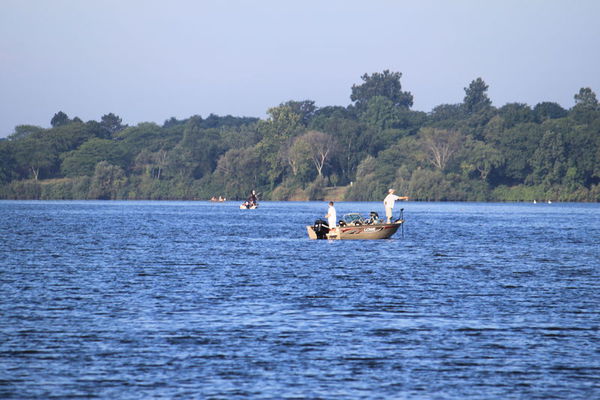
(148, 61)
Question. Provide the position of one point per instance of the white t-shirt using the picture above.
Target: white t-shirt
(331, 217)
(389, 200)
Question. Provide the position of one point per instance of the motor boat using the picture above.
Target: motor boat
(355, 226)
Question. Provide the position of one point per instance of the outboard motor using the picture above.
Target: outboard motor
(321, 229)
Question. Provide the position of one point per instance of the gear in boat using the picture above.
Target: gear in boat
(355, 226)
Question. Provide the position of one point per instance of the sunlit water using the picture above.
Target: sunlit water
(136, 300)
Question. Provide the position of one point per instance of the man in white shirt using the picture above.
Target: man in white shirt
(331, 216)
(388, 203)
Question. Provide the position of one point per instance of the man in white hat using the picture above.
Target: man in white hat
(389, 201)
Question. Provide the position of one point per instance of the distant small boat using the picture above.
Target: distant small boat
(353, 226)
(248, 206)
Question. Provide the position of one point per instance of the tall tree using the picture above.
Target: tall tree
(586, 107)
(60, 118)
(204, 146)
(152, 164)
(83, 160)
(517, 146)
(483, 158)
(107, 181)
(7, 163)
(441, 145)
(305, 109)
(321, 148)
(349, 133)
(515, 113)
(476, 98)
(34, 156)
(386, 84)
(548, 110)
(112, 123)
(283, 124)
(380, 113)
(239, 171)
(295, 154)
(22, 131)
(586, 98)
(549, 161)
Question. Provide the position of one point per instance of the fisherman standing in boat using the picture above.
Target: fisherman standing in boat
(389, 201)
(331, 216)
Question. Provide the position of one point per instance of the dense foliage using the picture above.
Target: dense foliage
(466, 151)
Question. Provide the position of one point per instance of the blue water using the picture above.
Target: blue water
(137, 300)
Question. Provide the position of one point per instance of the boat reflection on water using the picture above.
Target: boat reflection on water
(354, 226)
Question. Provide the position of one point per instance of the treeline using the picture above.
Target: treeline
(466, 151)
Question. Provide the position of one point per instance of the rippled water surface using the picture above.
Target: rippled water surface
(131, 300)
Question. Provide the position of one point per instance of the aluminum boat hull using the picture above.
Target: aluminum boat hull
(368, 232)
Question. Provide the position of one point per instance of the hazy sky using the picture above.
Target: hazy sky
(151, 60)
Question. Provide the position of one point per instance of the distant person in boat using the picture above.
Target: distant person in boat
(331, 216)
(252, 199)
(389, 201)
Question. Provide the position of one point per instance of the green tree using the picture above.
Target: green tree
(59, 119)
(283, 124)
(586, 98)
(153, 164)
(320, 147)
(296, 154)
(447, 115)
(476, 98)
(146, 135)
(22, 131)
(112, 123)
(386, 84)
(517, 146)
(483, 158)
(353, 139)
(548, 110)
(549, 161)
(582, 143)
(429, 185)
(203, 145)
(7, 162)
(33, 156)
(239, 171)
(515, 113)
(586, 107)
(83, 160)
(180, 163)
(380, 113)
(440, 146)
(108, 179)
(305, 109)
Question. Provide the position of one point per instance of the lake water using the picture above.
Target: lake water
(137, 300)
